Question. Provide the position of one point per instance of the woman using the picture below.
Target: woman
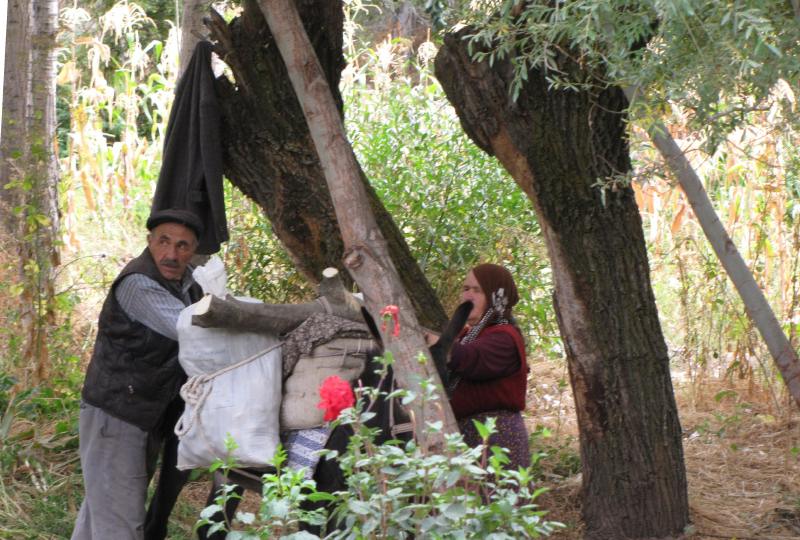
(488, 364)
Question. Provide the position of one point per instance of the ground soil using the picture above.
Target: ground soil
(741, 445)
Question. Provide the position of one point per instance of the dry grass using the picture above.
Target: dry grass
(742, 460)
(742, 466)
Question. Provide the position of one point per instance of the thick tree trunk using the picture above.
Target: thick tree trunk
(367, 258)
(270, 156)
(29, 161)
(557, 145)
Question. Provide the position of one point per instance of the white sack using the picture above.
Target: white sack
(212, 277)
(243, 402)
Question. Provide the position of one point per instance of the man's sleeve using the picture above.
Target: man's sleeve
(147, 302)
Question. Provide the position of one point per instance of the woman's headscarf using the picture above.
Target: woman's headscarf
(498, 285)
(493, 278)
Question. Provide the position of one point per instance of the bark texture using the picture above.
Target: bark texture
(15, 102)
(30, 170)
(557, 145)
(192, 30)
(213, 312)
(367, 258)
(269, 154)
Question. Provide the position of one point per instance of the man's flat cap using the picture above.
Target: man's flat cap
(175, 215)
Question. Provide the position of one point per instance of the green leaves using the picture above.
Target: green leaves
(399, 490)
(281, 510)
(709, 56)
(454, 203)
(484, 430)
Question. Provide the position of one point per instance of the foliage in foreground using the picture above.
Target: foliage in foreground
(753, 179)
(399, 490)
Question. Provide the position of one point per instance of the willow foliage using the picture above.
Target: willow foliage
(717, 59)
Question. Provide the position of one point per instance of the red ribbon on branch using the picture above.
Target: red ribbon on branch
(391, 312)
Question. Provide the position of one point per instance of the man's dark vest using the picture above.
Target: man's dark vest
(134, 373)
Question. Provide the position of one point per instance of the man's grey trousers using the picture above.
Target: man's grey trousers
(117, 460)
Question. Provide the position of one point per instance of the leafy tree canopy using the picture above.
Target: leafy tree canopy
(718, 59)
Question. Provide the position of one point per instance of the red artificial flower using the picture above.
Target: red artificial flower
(335, 396)
(393, 313)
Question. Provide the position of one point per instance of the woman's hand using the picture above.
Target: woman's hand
(431, 339)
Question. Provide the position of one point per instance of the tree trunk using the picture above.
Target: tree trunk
(15, 103)
(30, 162)
(192, 30)
(41, 215)
(269, 154)
(367, 258)
(557, 145)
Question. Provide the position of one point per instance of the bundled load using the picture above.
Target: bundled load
(234, 392)
(322, 346)
(234, 387)
(251, 388)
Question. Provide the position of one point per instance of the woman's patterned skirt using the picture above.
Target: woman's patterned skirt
(510, 433)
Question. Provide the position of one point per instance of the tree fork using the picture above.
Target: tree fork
(366, 255)
(269, 155)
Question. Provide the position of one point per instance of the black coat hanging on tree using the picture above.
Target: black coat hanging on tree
(191, 168)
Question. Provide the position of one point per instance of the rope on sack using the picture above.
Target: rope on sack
(195, 391)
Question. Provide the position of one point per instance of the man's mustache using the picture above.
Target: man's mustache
(170, 263)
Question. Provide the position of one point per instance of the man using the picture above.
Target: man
(130, 393)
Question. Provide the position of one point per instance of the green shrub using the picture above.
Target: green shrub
(455, 204)
(280, 513)
(401, 489)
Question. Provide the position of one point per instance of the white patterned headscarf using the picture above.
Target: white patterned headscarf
(498, 285)
(493, 315)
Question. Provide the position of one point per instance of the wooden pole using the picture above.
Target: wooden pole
(193, 30)
(753, 298)
(366, 256)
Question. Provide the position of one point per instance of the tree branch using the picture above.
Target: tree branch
(214, 312)
(366, 257)
(753, 298)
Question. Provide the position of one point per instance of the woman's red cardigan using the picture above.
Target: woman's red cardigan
(503, 393)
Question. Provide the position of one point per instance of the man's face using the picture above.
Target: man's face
(172, 246)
